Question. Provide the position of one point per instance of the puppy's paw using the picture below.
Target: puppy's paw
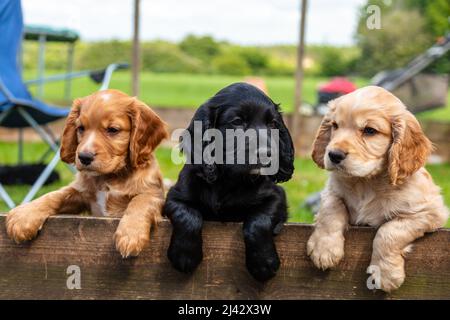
(262, 266)
(389, 274)
(325, 250)
(131, 237)
(185, 255)
(23, 223)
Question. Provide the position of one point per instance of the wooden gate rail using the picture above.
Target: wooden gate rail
(38, 270)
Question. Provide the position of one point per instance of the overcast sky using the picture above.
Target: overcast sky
(239, 21)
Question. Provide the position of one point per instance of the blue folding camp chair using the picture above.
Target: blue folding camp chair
(18, 109)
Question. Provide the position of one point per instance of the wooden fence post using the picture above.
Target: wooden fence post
(136, 55)
(299, 75)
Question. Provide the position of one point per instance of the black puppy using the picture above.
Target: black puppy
(231, 192)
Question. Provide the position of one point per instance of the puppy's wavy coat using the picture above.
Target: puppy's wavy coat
(376, 151)
(110, 137)
(231, 192)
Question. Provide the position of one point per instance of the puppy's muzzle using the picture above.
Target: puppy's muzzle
(336, 156)
(86, 158)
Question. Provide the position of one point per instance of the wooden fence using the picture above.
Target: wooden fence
(39, 269)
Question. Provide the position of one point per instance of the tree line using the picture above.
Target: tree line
(408, 27)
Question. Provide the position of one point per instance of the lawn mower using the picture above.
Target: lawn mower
(419, 91)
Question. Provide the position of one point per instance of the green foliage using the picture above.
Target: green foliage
(162, 56)
(201, 47)
(99, 54)
(406, 31)
(197, 54)
(408, 28)
(279, 67)
(55, 55)
(333, 61)
(436, 13)
(282, 59)
(256, 60)
(232, 64)
(401, 38)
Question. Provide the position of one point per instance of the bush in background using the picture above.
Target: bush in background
(162, 56)
(231, 64)
(257, 61)
(335, 61)
(201, 47)
(96, 55)
(408, 28)
(400, 39)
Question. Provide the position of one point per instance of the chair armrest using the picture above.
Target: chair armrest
(109, 71)
(105, 75)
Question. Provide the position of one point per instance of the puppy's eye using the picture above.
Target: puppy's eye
(112, 130)
(80, 129)
(368, 131)
(334, 125)
(237, 122)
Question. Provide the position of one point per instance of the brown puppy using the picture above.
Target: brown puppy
(376, 151)
(110, 137)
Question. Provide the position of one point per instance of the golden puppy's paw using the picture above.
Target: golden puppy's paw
(131, 237)
(24, 222)
(389, 274)
(325, 250)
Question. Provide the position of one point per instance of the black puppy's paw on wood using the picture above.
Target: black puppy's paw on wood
(262, 267)
(185, 256)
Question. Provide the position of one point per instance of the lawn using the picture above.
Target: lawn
(191, 90)
(308, 178)
(187, 90)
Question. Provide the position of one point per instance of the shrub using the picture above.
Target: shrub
(200, 47)
(403, 35)
(99, 54)
(167, 57)
(232, 64)
(279, 67)
(256, 60)
(332, 62)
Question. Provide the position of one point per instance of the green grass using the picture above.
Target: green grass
(186, 90)
(308, 178)
(191, 90)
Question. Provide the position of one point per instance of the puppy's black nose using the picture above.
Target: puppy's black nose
(336, 156)
(86, 158)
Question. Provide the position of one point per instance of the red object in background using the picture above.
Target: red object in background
(338, 85)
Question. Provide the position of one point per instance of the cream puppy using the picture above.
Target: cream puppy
(375, 151)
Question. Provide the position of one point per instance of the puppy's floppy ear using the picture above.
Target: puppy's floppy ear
(286, 152)
(321, 141)
(69, 140)
(204, 119)
(410, 148)
(147, 131)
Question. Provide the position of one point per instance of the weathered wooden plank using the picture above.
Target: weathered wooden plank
(37, 270)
